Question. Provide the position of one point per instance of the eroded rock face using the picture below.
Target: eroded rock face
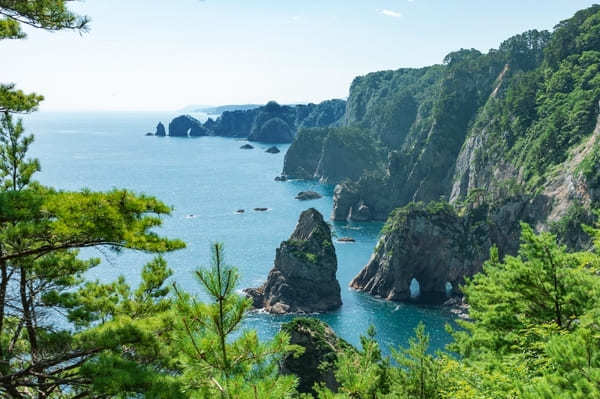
(185, 125)
(435, 246)
(321, 348)
(302, 158)
(303, 279)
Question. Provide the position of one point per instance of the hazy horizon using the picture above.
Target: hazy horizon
(237, 52)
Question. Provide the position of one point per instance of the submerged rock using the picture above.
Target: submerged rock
(281, 178)
(261, 209)
(246, 147)
(308, 195)
(273, 150)
(149, 134)
(321, 348)
(303, 278)
(240, 211)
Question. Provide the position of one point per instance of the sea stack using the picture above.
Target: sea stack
(160, 130)
(303, 279)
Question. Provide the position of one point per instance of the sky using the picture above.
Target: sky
(168, 54)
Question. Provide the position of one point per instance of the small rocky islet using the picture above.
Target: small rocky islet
(308, 195)
(303, 278)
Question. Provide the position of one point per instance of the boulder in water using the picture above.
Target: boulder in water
(308, 195)
(246, 147)
(273, 150)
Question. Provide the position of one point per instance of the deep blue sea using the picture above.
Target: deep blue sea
(206, 180)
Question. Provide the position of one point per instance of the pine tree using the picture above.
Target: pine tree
(419, 375)
(218, 359)
(362, 374)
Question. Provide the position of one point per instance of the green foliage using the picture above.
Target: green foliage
(519, 308)
(12, 100)
(419, 375)
(589, 168)
(215, 363)
(15, 170)
(361, 373)
(399, 216)
(50, 15)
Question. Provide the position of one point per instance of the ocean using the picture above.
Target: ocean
(206, 180)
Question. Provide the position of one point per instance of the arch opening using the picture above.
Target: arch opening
(415, 288)
(449, 288)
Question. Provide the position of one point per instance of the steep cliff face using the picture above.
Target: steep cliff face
(528, 152)
(303, 279)
(302, 157)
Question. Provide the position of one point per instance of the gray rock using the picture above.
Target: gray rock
(308, 195)
(273, 150)
(303, 278)
(186, 126)
(246, 147)
(160, 130)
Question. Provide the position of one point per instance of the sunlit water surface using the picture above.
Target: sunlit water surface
(206, 180)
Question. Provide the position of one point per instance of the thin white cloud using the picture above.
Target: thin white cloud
(390, 13)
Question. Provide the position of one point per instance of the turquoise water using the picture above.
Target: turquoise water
(206, 180)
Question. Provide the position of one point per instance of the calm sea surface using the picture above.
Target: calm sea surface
(206, 180)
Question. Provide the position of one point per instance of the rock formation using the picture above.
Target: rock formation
(302, 158)
(246, 147)
(273, 150)
(160, 130)
(186, 126)
(271, 123)
(308, 195)
(321, 348)
(438, 248)
(303, 279)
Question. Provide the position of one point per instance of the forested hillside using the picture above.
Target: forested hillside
(504, 122)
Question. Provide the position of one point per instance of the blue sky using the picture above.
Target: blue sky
(166, 54)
